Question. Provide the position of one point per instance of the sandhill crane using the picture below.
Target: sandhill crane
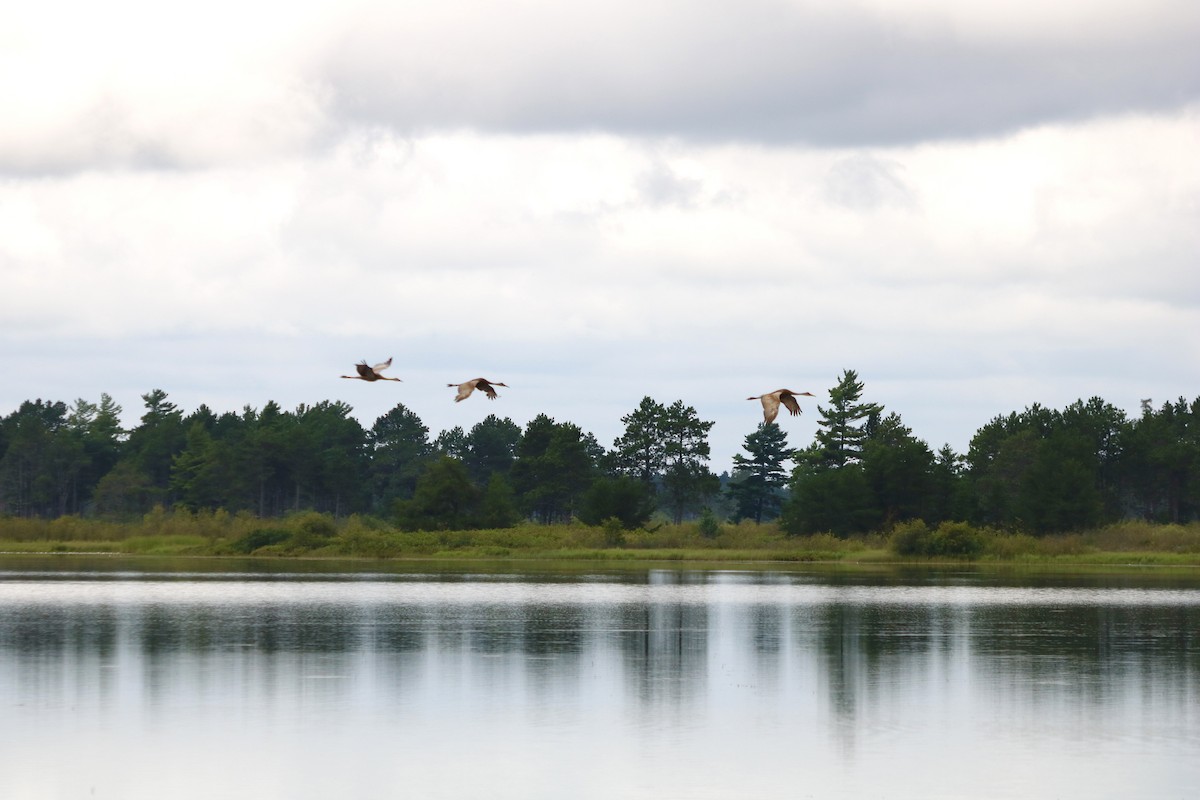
(482, 384)
(369, 373)
(770, 402)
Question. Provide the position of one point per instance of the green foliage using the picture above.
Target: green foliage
(837, 501)
(844, 424)
(452, 443)
(641, 450)
(311, 529)
(623, 498)
(947, 540)
(555, 465)
(899, 470)
(182, 532)
(687, 480)
(444, 499)
(708, 525)
(399, 447)
(491, 448)
(614, 532)
(125, 491)
(666, 447)
(499, 506)
(261, 537)
(1046, 473)
(758, 480)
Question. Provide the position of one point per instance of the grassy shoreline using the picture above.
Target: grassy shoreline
(308, 535)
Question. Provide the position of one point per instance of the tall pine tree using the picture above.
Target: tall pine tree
(759, 479)
(846, 424)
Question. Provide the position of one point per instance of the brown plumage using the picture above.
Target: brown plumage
(369, 373)
(770, 403)
(482, 384)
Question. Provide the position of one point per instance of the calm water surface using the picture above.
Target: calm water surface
(654, 684)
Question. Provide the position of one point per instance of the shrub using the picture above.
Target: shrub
(614, 532)
(956, 539)
(911, 538)
(710, 528)
(261, 537)
(948, 539)
(311, 529)
(625, 499)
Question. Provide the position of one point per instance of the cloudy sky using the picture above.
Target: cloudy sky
(977, 205)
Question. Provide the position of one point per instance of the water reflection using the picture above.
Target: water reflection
(682, 684)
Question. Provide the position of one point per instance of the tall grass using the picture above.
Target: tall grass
(218, 533)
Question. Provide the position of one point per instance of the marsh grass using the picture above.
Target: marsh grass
(313, 535)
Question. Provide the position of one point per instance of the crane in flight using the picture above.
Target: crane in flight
(369, 373)
(770, 403)
(482, 384)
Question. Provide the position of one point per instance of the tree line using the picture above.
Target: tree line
(1037, 471)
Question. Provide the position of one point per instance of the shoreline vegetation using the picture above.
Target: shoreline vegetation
(312, 535)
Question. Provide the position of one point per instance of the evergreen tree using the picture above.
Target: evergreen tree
(399, 450)
(153, 445)
(687, 480)
(124, 491)
(845, 424)
(452, 443)
(1161, 462)
(326, 456)
(554, 466)
(1045, 471)
(949, 491)
(620, 497)
(836, 501)
(899, 469)
(758, 480)
(201, 477)
(822, 497)
(498, 509)
(265, 455)
(42, 461)
(444, 499)
(98, 428)
(642, 450)
(491, 447)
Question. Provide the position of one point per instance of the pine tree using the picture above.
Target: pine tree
(491, 447)
(758, 479)
(400, 449)
(687, 480)
(846, 424)
(641, 450)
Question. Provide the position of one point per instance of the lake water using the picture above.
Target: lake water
(128, 683)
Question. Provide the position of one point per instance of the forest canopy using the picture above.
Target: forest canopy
(1036, 471)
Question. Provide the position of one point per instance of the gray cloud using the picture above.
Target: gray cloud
(763, 71)
(826, 74)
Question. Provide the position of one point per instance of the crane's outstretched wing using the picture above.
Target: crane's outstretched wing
(770, 404)
(790, 403)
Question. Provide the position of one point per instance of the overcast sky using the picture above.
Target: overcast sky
(977, 205)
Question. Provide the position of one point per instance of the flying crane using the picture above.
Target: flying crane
(369, 373)
(770, 403)
(482, 384)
